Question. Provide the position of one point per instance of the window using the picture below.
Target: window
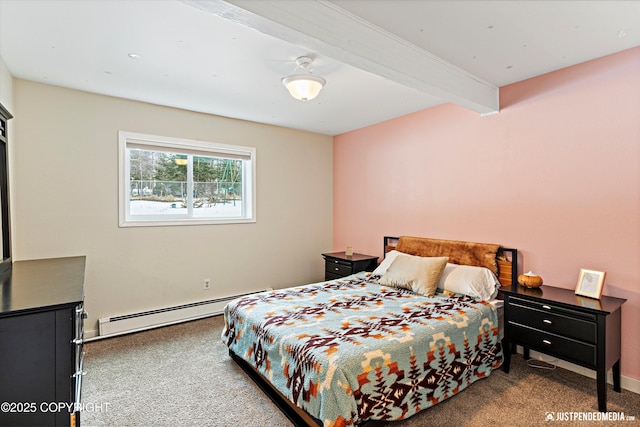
(170, 181)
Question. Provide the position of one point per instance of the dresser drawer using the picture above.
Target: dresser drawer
(554, 320)
(546, 342)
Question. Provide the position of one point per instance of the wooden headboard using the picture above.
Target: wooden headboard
(502, 261)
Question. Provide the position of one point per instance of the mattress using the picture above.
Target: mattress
(351, 350)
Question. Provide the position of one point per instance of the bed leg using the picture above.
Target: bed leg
(506, 352)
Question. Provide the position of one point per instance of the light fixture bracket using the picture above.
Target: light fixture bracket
(304, 62)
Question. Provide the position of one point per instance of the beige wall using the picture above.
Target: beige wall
(65, 195)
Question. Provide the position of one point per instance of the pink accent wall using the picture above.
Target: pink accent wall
(556, 174)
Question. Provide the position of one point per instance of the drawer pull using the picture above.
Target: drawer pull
(547, 342)
(335, 261)
(546, 307)
(547, 321)
(336, 269)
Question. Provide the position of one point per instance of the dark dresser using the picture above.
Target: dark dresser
(41, 330)
(556, 321)
(339, 264)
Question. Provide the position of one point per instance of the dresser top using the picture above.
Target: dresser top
(566, 297)
(43, 283)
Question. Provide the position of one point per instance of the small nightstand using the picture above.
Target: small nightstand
(558, 322)
(338, 264)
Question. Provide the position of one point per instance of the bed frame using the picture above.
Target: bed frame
(298, 416)
(507, 261)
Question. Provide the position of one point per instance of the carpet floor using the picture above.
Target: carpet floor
(182, 375)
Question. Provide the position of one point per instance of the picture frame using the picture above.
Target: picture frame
(590, 283)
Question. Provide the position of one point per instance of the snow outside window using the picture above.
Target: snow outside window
(170, 181)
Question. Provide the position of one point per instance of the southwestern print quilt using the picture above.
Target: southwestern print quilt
(350, 350)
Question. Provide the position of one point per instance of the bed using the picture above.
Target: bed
(380, 346)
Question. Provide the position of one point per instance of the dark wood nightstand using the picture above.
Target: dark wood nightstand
(558, 322)
(338, 264)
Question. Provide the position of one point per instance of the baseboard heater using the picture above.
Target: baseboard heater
(134, 322)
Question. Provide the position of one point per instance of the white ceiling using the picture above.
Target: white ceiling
(381, 59)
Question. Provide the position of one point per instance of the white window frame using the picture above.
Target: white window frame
(190, 147)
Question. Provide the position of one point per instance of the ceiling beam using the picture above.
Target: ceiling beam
(325, 28)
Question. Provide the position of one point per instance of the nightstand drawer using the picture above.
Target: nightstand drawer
(554, 321)
(330, 276)
(552, 308)
(553, 344)
(335, 267)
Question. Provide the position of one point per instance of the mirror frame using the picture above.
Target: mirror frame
(5, 211)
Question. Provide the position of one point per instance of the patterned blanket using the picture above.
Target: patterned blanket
(351, 350)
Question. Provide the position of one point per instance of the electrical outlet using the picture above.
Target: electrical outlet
(207, 283)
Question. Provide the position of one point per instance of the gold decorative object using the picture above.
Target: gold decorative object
(530, 280)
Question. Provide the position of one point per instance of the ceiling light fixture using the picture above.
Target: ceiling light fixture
(303, 86)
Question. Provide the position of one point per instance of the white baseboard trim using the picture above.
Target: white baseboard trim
(626, 383)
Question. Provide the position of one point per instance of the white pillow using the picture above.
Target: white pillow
(419, 274)
(386, 262)
(478, 282)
